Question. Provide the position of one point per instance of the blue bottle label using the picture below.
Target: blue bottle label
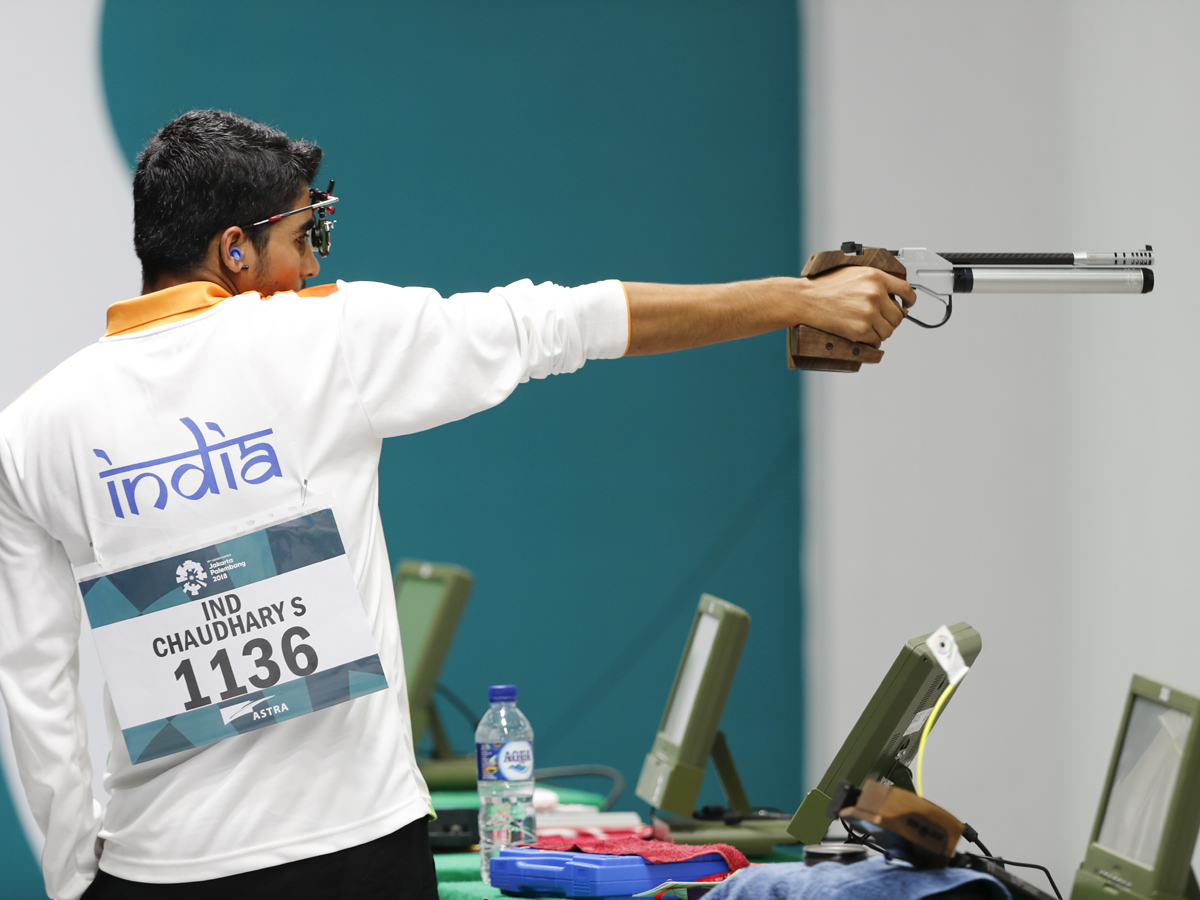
(504, 760)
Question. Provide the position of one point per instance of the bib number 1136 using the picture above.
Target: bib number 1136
(300, 658)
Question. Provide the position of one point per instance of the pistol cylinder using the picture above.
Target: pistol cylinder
(1065, 280)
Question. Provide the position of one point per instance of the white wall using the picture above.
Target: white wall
(1030, 468)
(67, 218)
(1133, 385)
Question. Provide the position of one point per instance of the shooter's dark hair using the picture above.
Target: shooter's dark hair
(204, 172)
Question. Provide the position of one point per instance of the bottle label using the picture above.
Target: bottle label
(504, 760)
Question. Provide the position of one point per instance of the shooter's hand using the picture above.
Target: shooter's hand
(854, 302)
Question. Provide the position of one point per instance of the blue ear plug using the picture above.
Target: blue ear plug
(236, 254)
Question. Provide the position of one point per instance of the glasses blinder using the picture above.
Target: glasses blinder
(318, 234)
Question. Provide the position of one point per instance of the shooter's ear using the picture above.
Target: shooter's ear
(230, 249)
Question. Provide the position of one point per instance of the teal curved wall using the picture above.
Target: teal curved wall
(477, 142)
(480, 142)
(20, 873)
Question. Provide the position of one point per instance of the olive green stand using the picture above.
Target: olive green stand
(754, 835)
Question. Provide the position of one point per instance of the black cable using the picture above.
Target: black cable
(458, 703)
(1009, 862)
(973, 836)
(863, 839)
(618, 780)
(852, 838)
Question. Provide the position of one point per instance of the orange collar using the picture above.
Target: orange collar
(161, 307)
(179, 302)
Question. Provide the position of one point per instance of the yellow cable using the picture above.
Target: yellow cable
(937, 708)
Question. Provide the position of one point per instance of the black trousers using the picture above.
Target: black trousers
(398, 866)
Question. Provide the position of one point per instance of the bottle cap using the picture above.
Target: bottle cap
(502, 693)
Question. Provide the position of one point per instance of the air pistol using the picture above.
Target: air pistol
(942, 275)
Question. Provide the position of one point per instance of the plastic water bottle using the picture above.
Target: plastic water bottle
(504, 765)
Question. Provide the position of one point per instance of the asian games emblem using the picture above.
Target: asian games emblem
(192, 576)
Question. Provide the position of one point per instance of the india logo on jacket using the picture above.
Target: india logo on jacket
(192, 473)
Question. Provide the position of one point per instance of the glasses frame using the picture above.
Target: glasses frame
(319, 234)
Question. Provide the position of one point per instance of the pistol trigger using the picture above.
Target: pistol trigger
(947, 300)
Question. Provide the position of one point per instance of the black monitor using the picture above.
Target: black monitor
(884, 741)
(1145, 831)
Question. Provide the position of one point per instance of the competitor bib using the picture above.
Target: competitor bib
(231, 636)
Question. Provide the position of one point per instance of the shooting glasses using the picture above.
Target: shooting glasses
(321, 226)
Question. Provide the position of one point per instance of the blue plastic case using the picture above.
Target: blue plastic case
(524, 872)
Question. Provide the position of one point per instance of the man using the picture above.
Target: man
(228, 408)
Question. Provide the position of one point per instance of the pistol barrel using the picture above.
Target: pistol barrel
(1083, 258)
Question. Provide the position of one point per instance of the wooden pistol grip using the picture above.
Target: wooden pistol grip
(809, 348)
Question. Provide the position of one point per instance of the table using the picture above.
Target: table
(458, 873)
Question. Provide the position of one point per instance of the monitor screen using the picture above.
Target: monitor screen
(418, 602)
(1143, 784)
(674, 768)
(430, 598)
(688, 683)
(1145, 829)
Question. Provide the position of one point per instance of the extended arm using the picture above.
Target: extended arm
(417, 360)
(852, 303)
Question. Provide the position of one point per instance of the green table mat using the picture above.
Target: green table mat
(470, 799)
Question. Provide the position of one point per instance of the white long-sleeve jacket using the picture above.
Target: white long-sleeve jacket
(330, 372)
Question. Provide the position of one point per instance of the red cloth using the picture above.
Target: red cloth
(651, 851)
